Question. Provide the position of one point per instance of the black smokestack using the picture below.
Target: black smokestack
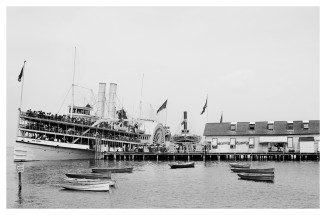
(185, 120)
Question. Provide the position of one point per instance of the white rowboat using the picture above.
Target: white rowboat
(94, 187)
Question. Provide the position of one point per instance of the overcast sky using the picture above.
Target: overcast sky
(254, 63)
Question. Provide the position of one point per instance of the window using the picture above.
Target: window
(232, 143)
(251, 142)
(252, 126)
(233, 126)
(290, 142)
(306, 125)
(289, 126)
(214, 143)
(270, 126)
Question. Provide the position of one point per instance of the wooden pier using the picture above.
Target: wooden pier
(199, 156)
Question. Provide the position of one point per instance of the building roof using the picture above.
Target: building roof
(261, 128)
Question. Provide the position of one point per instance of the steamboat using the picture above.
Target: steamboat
(82, 134)
(186, 139)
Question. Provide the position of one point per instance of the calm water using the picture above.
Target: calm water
(154, 185)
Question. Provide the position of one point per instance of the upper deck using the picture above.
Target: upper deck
(78, 126)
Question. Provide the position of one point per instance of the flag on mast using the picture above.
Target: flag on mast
(221, 119)
(163, 106)
(204, 108)
(21, 72)
(183, 122)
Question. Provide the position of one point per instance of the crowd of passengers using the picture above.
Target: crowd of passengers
(122, 125)
(40, 126)
(52, 138)
(66, 118)
(45, 137)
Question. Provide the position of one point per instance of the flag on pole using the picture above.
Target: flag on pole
(163, 106)
(21, 73)
(221, 119)
(204, 108)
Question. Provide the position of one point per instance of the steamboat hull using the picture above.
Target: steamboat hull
(38, 150)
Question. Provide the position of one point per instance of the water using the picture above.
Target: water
(154, 185)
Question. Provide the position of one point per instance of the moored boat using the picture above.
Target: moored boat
(90, 181)
(239, 165)
(182, 165)
(256, 176)
(107, 175)
(113, 170)
(245, 170)
(93, 187)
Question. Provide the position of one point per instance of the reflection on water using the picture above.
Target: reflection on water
(20, 198)
(155, 185)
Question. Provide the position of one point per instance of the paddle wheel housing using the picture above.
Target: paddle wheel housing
(156, 130)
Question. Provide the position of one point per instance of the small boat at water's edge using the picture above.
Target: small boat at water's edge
(93, 187)
(239, 165)
(256, 177)
(113, 170)
(106, 175)
(245, 170)
(182, 165)
(90, 181)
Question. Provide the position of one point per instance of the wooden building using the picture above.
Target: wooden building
(262, 137)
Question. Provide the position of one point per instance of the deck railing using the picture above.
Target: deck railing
(74, 133)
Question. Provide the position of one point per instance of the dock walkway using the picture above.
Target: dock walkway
(197, 156)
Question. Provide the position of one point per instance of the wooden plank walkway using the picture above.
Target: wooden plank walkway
(243, 156)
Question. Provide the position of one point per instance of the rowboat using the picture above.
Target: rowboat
(93, 187)
(90, 181)
(244, 170)
(239, 165)
(256, 177)
(182, 165)
(113, 170)
(89, 175)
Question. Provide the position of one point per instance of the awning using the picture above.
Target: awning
(274, 139)
(305, 139)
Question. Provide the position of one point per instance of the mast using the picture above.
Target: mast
(73, 84)
(141, 96)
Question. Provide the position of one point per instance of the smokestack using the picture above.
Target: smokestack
(185, 131)
(101, 100)
(112, 95)
(185, 120)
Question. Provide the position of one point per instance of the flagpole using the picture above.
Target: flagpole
(21, 100)
(22, 88)
(141, 96)
(73, 84)
(166, 113)
(207, 110)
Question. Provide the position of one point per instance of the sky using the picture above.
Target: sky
(253, 63)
